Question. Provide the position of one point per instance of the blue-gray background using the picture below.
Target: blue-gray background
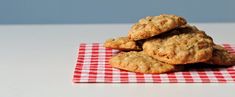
(111, 11)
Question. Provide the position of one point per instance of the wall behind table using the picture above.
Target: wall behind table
(111, 11)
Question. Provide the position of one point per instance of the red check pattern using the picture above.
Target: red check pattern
(92, 67)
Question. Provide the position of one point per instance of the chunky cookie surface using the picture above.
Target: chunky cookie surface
(183, 45)
(122, 43)
(221, 56)
(140, 62)
(153, 25)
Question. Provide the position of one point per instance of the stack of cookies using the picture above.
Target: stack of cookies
(165, 43)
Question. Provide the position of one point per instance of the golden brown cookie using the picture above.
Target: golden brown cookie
(153, 25)
(140, 62)
(122, 43)
(221, 56)
(183, 45)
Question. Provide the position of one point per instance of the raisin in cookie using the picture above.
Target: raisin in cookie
(183, 45)
(122, 43)
(140, 62)
(221, 56)
(154, 25)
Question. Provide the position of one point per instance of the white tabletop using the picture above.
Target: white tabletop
(39, 60)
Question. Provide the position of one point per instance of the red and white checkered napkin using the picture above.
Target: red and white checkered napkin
(92, 67)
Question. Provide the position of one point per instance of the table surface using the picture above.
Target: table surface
(39, 60)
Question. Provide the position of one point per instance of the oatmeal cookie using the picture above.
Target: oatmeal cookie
(221, 56)
(154, 25)
(122, 43)
(183, 45)
(140, 62)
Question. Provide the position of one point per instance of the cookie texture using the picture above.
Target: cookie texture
(140, 62)
(153, 25)
(122, 43)
(183, 45)
(221, 56)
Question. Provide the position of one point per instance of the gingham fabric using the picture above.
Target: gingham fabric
(92, 67)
